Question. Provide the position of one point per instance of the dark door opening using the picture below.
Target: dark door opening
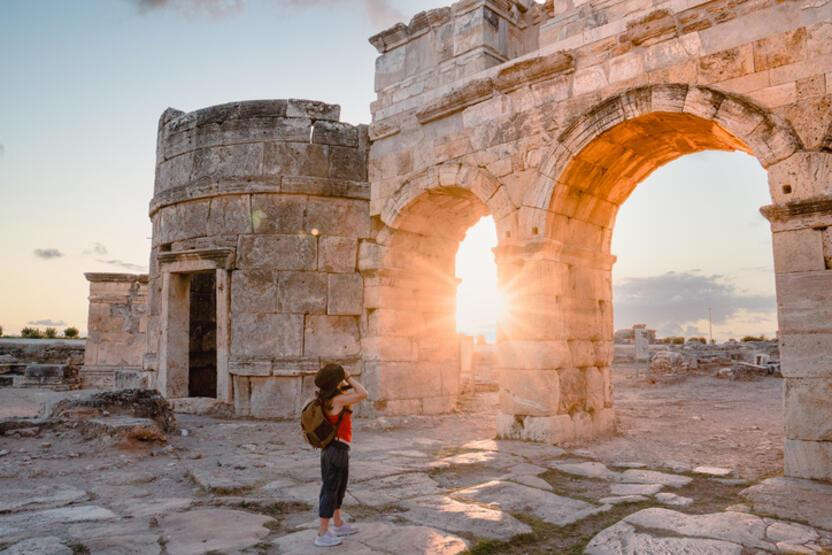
(202, 351)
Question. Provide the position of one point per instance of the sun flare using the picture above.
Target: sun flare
(479, 303)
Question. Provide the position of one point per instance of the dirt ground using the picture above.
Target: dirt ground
(698, 419)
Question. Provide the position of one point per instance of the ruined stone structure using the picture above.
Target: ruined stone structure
(546, 117)
(258, 211)
(117, 323)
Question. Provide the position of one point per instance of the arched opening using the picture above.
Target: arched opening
(411, 346)
(694, 265)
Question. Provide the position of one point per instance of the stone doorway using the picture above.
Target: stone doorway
(194, 338)
(202, 336)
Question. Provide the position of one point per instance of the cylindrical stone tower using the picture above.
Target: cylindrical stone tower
(258, 211)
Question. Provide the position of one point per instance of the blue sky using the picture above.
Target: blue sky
(84, 83)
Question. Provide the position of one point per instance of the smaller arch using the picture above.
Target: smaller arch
(715, 120)
(461, 192)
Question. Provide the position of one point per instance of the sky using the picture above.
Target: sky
(84, 83)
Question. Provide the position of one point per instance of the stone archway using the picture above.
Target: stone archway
(410, 345)
(597, 162)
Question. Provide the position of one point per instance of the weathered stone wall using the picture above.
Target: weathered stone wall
(116, 331)
(554, 137)
(272, 195)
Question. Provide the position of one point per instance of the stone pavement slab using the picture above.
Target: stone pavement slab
(43, 497)
(739, 528)
(635, 489)
(638, 476)
(200, 531)
(793, 499)
(623, 539)
(378, 538)
(594, 470)
(493, 459)
(48, 545)
(668, 498)
(385, 491)
(511, 497)
(456, 516)
(225, 480)
(132, 536)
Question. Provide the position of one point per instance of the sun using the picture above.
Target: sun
(480, 303)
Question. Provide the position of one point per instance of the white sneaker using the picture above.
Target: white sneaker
(327, 540)
(344, 530)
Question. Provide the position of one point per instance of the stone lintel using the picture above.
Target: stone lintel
(103, 277)
(533, 70)
(816, 206)
(199, 259)
(457, 100)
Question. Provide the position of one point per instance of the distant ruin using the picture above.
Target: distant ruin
(318, 241)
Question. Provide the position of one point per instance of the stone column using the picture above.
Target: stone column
(555, 346)
(410, 345)
(801, 222)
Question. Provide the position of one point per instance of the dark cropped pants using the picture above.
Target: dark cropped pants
(335, 471)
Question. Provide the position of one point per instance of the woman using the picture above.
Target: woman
(334, 385)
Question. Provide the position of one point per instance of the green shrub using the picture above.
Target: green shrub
(71, 333)
(753, 338)
(677, 340)
(31, 333)
(51, 333)
(698, 340)
(1, 331)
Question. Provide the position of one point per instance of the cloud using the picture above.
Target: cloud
(47, 322)
(381, 13)
(97, 248)
(192, 8)
(124, 265)
(676, 303)
(48, 254)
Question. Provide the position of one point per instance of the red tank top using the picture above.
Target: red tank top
(344, 432)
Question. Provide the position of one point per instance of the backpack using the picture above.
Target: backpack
(317, 429)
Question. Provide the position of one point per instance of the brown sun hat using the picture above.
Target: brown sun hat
(329, 378)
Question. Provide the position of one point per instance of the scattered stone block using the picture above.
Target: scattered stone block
(713, 471)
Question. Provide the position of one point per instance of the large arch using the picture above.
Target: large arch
(594, 166)
(624, 138)
(410, 344)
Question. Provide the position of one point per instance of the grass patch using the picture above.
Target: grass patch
(548, 538)
(78, 548)
(577, 487)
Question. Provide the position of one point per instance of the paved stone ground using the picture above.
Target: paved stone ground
(418, 485)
